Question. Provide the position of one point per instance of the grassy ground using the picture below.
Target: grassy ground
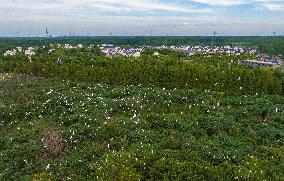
(60, 130)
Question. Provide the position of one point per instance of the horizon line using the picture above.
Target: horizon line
(153, 36)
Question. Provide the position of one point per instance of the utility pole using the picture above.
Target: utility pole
(46, 32)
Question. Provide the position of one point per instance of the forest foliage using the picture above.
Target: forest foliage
(162, 72)
(170, 117)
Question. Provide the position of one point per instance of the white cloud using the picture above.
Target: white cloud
(116, 6)
(221, 2)
(273, 7)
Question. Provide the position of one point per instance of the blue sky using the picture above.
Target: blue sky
(141, 17)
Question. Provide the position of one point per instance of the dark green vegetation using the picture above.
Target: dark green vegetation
(153, 118)
(162, 72)
(61, 129)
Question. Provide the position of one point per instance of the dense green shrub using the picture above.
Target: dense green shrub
(168, 74)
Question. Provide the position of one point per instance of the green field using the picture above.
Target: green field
(58, 129)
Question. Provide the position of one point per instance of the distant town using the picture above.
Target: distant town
(111, 51)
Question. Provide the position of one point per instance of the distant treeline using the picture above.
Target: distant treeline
(169, 74)
(270, 45)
